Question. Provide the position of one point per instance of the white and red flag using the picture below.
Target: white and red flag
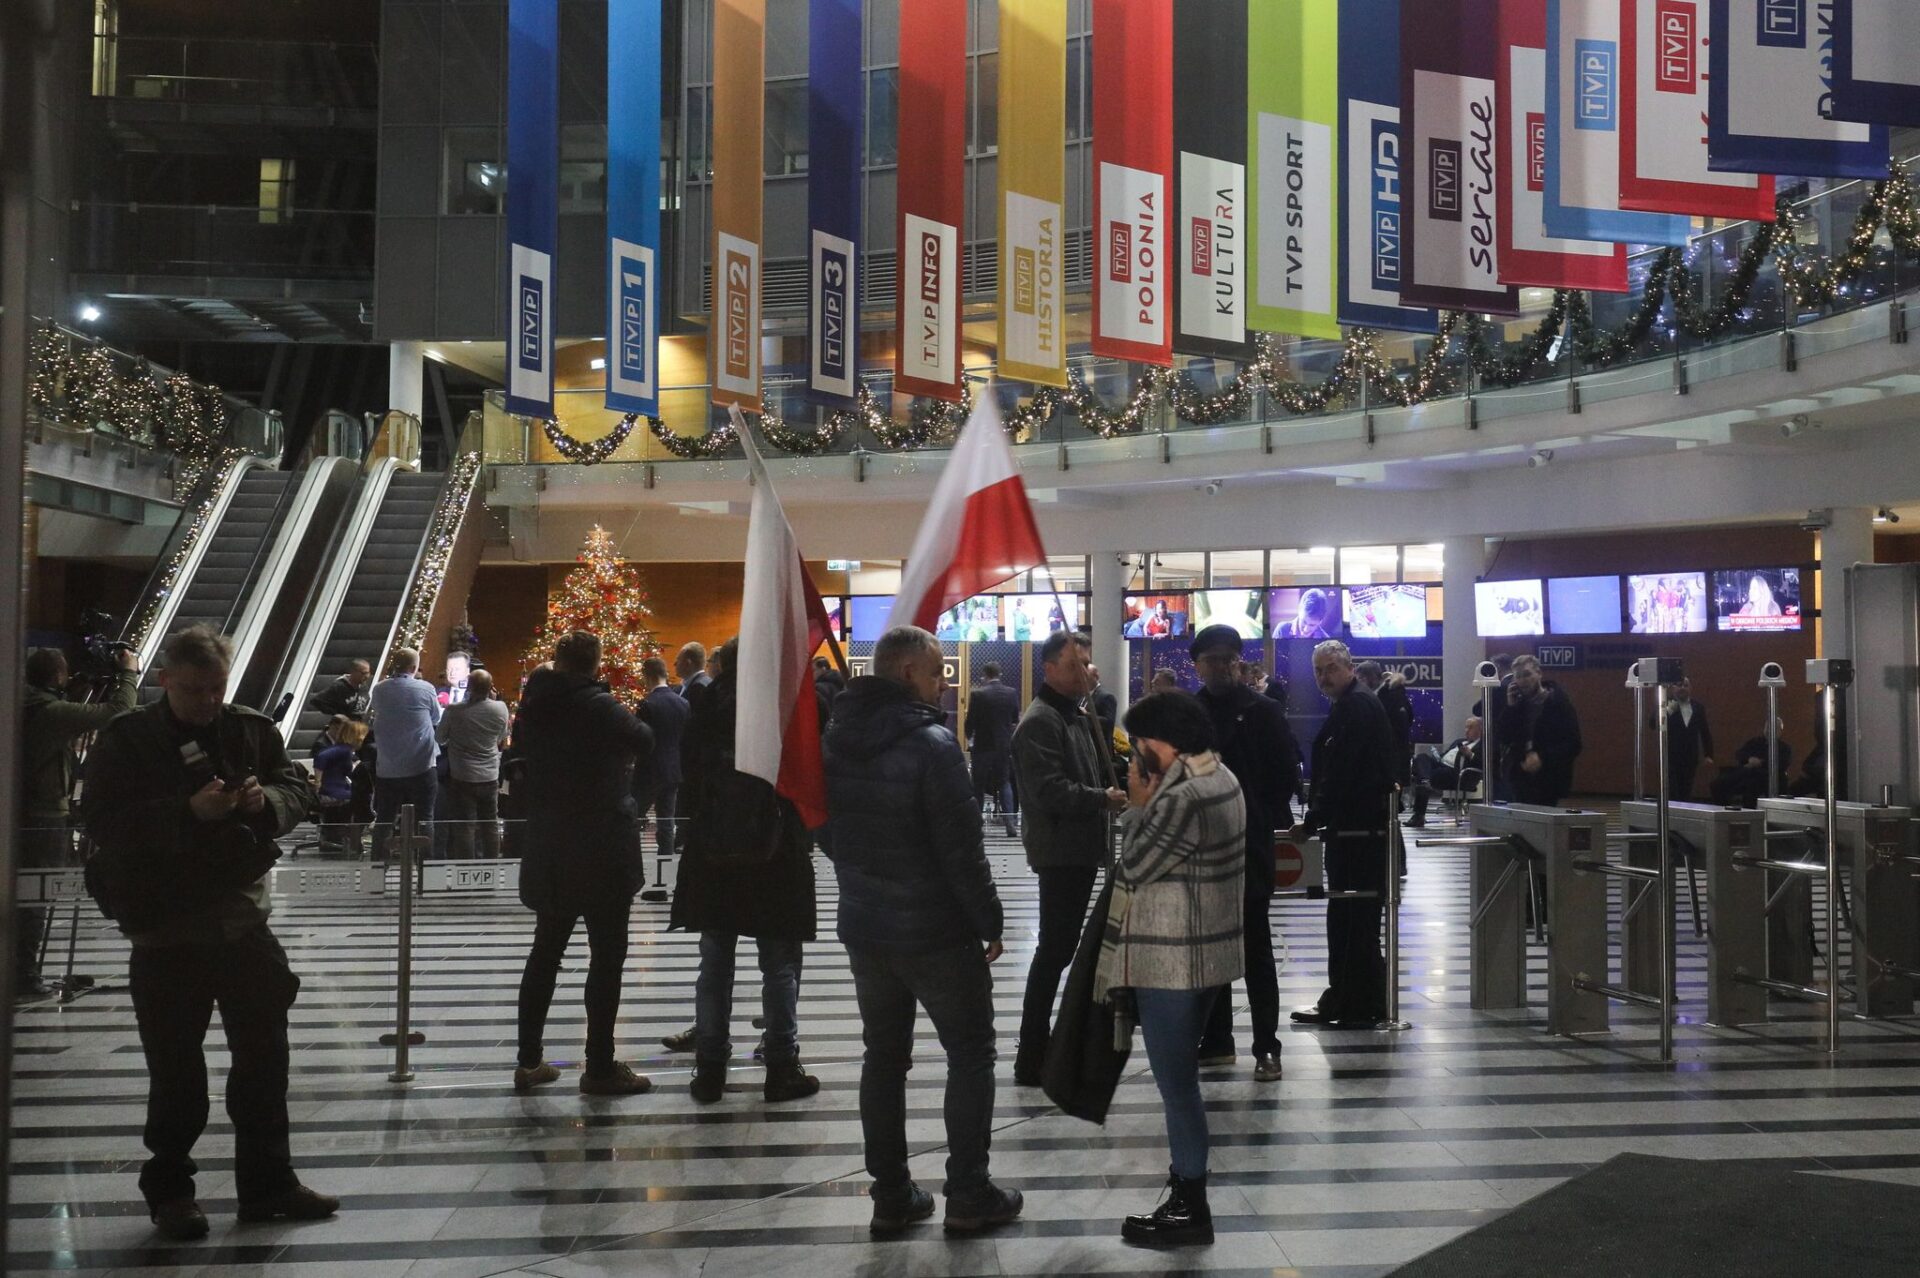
(979, 529)
(782, 624)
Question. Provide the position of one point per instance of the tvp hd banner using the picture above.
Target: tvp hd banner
(1373, 194)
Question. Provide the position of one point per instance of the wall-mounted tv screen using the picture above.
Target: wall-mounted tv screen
(867, 616)
(1756, 599)
(836, 615)
(1304, 612)
(1155, 616)
(1244, 610)
(975, 620)
(1508, 608)
(1031, 618)
(1583, 605)
(1667, 603)
(1394, 611)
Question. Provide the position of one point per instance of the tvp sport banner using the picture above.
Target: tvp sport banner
(1772, 94)
(835, 97)
(533, 200)
(1876, 61)
(1033, 158)
(1293, 110)
(739, 106)
(1132, 171)
(1373, 193)
(1664, 106)
(1210, 178)
(932, 195)
(633, 206)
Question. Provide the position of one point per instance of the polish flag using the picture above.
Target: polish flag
(782, 624)
(979, 529)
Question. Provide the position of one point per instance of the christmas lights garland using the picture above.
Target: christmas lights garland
(212, 474)
(442, 533)
(78, 384)
(717, 440)
(589, 453)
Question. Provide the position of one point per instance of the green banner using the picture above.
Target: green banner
(1293, 112)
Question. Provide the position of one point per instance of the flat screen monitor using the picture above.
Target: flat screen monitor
(1161, 616)
(836, 615)
(1756, 599)
(1508, 608)
(1583, 605)
(1667, 603)
(1304, 612)
(1031, 618)
(1244, 610)
(1394, 611)
(867, 616)
(975, 620)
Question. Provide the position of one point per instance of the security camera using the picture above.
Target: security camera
(1817, 521)
(1886, 515)
(1540, 458)
(1794, 425)
(1212, 489)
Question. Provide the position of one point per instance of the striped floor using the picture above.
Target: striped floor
(1375, 1148)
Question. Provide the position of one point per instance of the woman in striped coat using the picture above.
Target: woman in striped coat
(1173, 933)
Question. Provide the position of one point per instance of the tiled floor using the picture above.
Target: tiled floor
(1376, 1147)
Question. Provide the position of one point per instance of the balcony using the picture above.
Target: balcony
(174, 93)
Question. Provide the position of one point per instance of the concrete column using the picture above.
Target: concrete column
(1461, 649)
(406, 377)
(1848, 541)
(1104, 588)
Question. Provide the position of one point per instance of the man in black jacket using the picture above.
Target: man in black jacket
(1539, 736)
(580, 855)
(1353, 778)
(992, 711)
(1067, 794)
(1689, 740)
(347, 695)
(656, 783)
(921, 921)
(184, 801)
(1257, 745)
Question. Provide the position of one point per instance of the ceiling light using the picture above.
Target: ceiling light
(89, 312)
(596, 364)
(1320, 550)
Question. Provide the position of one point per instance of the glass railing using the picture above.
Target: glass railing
(285, 73)
(223, 240)
(1731, 289)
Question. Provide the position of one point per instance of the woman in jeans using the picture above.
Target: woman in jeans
(1173, 933)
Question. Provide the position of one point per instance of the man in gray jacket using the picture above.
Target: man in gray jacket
(1066, 797)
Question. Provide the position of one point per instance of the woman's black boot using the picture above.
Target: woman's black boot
(1181, 1220)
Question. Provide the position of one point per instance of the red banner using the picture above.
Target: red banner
(1132, 174)
(1664, 101)
(932, 195)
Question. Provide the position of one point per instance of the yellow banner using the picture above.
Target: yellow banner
(1033, 157)
(739, 103)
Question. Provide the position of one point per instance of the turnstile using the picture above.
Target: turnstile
(1877, 865)
(1736, 907)
(1546, 842)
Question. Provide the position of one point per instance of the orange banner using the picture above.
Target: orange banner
(739, 103)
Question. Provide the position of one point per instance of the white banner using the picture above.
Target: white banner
(931, 345)
(1131, 269)
(1297, 212)
(834, 332)
(1030, 258)
(1376, 203)
(1877, 63)
(530, 366)
(736, 315)
(630, 366)
(1667, 114)
(1213, 303)
(1452, 133)
(1771, 85)
(1526, 126)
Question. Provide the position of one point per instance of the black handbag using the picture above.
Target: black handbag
(1083, 1064)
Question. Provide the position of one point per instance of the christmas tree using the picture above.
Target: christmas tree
(604, 595)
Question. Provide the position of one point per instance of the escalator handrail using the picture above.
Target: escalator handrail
(236, 609)
(312, 497)
(206, 508)
(413, 572)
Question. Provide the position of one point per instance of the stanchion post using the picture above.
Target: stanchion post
(1772, 679)
(403, 988)
(1392, 901)
(1664, 824)
(1486, 677)
(1832, 675)
(1639, 737)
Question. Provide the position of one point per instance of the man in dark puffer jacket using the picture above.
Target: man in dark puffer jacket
(921, 921)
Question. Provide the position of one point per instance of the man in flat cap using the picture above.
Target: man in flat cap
(1257, 746)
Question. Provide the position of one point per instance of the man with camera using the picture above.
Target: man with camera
(49, 725)
(184, 801)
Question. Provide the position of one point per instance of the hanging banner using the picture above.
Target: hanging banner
(1876, 62)
(932, 195)
(1582, 195)
(1293, 107)
(1033, 191)
(633, 206)
(1210, 178)
(1771, 99)
(739, 107)
(533, 200)
(1447, 91)
(1372, 169)
(1663, 113)
(1132, 167)
(835, 95)
(1528, 255)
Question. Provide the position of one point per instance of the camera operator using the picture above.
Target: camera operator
(184, 800)
(49, 725)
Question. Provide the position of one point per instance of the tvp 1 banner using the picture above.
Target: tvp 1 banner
(932, 195)
(533, 200)
(1664, 107)
(836, 94)
(1771, 94)
(1033, 160)
(1210, 178)
(1373, 193)
(1132, 174)
(1293, 170)
(633, 206)
(1876, 61)
(739, 107)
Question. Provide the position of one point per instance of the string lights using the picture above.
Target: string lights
(442, 533)
(588, 453)
(607, 596)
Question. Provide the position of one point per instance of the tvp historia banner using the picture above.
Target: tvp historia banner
(1876, 61)
(1033, 158)
(1210, 178)
(1447, 67)
(1663, 111)
(1772, 94)
(1528, 255)
(1293, 109)
(1373, 193)
(1132, 170)
(633, 206)
(533, 200)
(932, 195)
(739, 105)
(835, 96)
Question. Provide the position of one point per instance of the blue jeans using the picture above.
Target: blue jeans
(1171, 1021)
(713, 998)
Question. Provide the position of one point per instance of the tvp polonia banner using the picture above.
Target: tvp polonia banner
(1663, 110)
(1528, 255)
(1447, 93)
(1132, 168)
(1033, 159)
(633, 206)
(533, 200)
(1876, 62)
(1373, 195)
(932, 195)
(835, 98)
(739, 105)
(1770, 94)
(1293, 107)
(1210, 178)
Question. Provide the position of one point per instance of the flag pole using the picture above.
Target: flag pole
(839, 657)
